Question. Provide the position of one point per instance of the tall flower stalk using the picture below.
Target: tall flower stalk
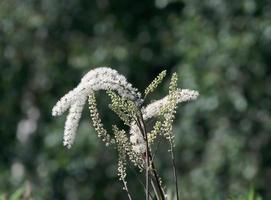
(134, 146)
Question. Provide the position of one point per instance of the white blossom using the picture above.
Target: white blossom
(139, 148)
(137, 139)
(63, 104)
(154, 109)
(102, 78)
(72, 121)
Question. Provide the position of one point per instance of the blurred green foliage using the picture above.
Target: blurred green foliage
(221, 48)
(249, 196)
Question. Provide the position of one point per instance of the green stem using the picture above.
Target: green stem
(174, 169)
(144, 133)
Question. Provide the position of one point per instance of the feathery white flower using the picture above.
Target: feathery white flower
(63, 104)
(72, 121)
(102, 78)
(137, 139)
(154, 109)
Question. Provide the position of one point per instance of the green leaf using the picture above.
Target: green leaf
(17, 195)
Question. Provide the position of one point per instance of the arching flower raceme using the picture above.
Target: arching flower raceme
(102, 78)
(72, 121)
(153, 110)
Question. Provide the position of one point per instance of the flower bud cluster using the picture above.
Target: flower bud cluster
(155, 109)
(155, 82)
(97, 122)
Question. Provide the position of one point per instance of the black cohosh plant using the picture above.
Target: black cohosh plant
(137, 145)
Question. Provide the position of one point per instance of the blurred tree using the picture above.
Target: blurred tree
(221, 48)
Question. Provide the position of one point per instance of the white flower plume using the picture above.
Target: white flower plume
(72, 121)
(102, 78)
(182, 95)
(153, 110)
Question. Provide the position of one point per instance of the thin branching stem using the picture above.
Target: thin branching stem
(141, 124)
(126, 189)
(141, 130)
(174, 169)
(144, 133)
(147, 157)
(137, 177)
(155, 190)
(160, 188)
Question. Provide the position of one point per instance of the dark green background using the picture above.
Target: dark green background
(220, 48)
